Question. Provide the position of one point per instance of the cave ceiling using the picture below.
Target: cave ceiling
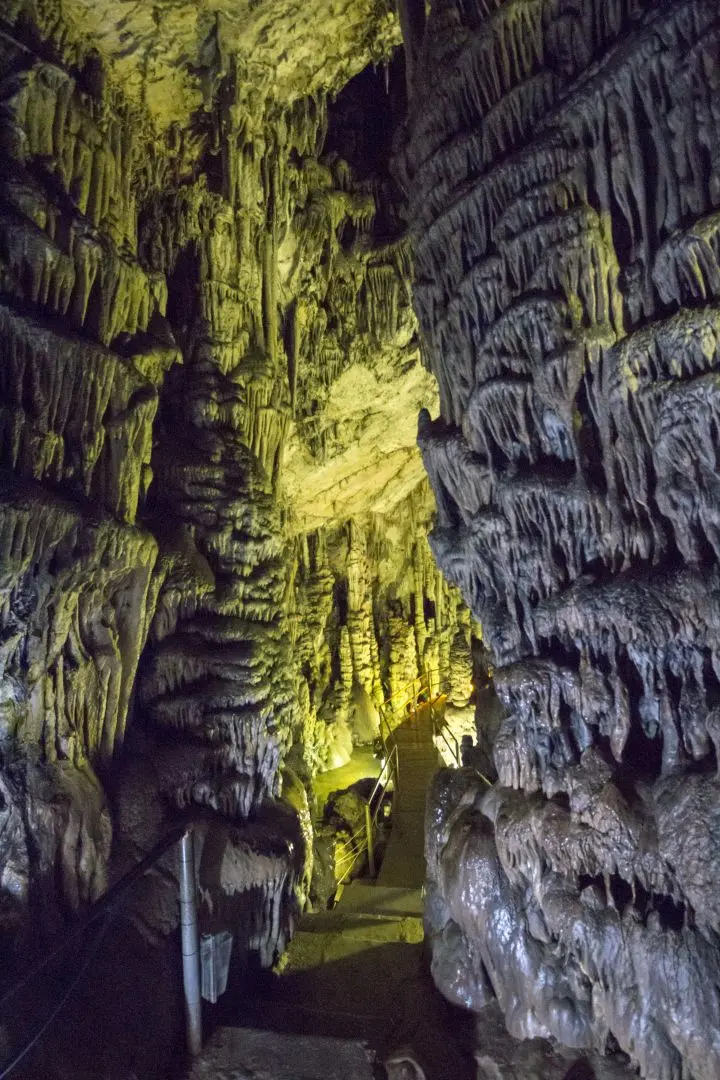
(169, 55)
(170, 59)
(374, 465)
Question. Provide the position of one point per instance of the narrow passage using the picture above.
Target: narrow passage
(356, 976)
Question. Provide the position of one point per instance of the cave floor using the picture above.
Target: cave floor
(359, 973)
(418, 760)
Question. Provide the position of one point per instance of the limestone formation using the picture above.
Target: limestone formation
(84, 353)
(211, 495)
(562, 177)
(243, 247)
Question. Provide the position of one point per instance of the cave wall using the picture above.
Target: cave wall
(370, 612)
(214, 561)
(563, 184)
(80, 379)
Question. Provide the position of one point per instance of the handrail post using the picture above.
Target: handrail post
(370, 841)
(190, 944)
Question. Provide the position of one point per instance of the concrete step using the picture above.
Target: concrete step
(236, 1053)
(341, 985)
(415, 775)
(411, 755)
(416, 746)
(378, 928)
(372, 899)
(302, 1013)
(338, 920)
(394, 876)
(411, 802)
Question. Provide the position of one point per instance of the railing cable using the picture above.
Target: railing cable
(109, 913)
(106, 908)
(115, 894)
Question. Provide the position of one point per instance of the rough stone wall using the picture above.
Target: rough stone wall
(89, 563)
(563, 177)
(79, 381)
(208, 387)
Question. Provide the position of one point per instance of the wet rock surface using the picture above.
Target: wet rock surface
(563, 193)
(213, 514)
(213, 564)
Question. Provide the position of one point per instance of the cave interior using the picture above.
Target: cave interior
(360, 518)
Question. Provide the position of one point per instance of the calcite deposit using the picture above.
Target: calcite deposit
(276, 299)
(563, 188)
(213, 513)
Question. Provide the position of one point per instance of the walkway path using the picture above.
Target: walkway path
(359, 972)
(356, 990)
(404, 862)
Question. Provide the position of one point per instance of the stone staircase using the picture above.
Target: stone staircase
(354, 980)
(354, 992)
(243, 1053)
(372, 898)
(418, 760)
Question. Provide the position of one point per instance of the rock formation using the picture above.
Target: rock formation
(213, 513)
(563, 187)
(80, 380)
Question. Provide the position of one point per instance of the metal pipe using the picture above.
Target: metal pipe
(190, 945)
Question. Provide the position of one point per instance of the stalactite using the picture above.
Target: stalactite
(359, 618)
(179, 302)
(564, 218)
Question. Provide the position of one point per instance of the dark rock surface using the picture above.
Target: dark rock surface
(563, 177)
(213, 554)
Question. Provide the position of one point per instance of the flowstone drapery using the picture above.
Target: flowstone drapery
(79, 386)
(209, 382)
(562, 171)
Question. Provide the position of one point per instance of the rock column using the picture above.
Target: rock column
(564, 195)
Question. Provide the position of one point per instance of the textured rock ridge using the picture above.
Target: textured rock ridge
(78, 397)
(212, 509)
(562, 173)
(369, 612)
(172, 56)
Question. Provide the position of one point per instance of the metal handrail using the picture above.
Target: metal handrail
(106, 908)
(442, 731)
(362, 839)
(422, 680)
(113, 896)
